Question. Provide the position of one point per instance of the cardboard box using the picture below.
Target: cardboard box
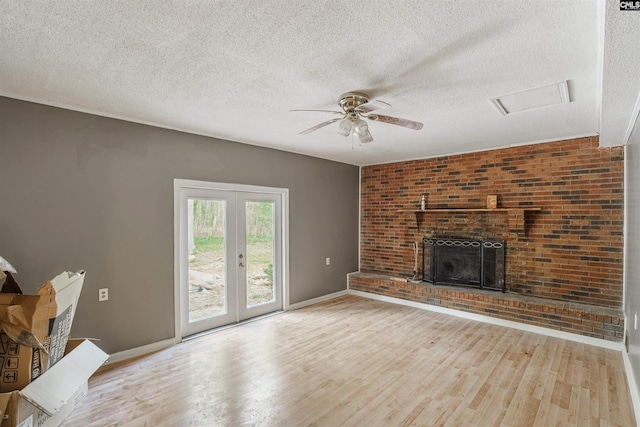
(35, 328)
(49, 399)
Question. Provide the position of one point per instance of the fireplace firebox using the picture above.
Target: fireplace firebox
(464, 262)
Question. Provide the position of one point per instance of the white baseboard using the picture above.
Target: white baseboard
(323, 298)
(141, 351)
(492, 320)
(633, 385)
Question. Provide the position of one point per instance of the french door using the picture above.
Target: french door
(230, 258)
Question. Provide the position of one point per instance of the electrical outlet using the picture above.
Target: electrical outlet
(103, 294)
(328, 261)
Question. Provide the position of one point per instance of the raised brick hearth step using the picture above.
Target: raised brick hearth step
(582, 319)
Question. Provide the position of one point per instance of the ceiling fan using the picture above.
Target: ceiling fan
(356, 106)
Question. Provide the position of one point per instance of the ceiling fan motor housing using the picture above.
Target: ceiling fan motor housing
(351, 100)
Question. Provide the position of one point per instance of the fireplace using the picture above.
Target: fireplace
(464, 262)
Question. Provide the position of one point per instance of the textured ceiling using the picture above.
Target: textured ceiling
(234, 69)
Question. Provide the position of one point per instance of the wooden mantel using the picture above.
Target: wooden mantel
(516, 216)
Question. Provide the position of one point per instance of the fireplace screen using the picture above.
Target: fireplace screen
(464, 262)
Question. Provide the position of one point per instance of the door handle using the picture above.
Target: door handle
(241, 265)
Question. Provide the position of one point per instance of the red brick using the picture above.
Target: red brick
(578, 185)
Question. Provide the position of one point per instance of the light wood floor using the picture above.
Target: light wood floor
(357, 362)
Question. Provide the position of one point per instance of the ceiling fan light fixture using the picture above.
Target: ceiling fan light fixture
(344, 128)
(360, 127)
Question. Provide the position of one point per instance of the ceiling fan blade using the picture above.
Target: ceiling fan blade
(376, 104)
(321, 125)
(396, 121)
(323, 111)
(365, 137)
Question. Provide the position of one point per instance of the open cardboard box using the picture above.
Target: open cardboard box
(34, 329)
(50, 398)
(43, 374)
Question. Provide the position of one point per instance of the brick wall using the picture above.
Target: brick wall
(570, 250)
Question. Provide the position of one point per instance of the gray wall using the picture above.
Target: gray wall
(78, 191)
(632, 247)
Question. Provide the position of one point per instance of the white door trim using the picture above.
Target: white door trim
(178, 185)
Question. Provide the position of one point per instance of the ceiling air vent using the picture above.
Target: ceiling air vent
(557, 93)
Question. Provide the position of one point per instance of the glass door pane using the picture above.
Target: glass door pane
(207, 272)
(259, 244)
(260, 251)
(207, 259)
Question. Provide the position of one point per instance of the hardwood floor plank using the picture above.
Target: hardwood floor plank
(353, 361)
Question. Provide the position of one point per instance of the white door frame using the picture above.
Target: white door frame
(178, 186)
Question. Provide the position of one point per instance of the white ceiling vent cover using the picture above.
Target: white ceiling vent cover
(557, 93)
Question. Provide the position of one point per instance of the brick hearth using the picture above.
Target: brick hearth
(582, 319)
